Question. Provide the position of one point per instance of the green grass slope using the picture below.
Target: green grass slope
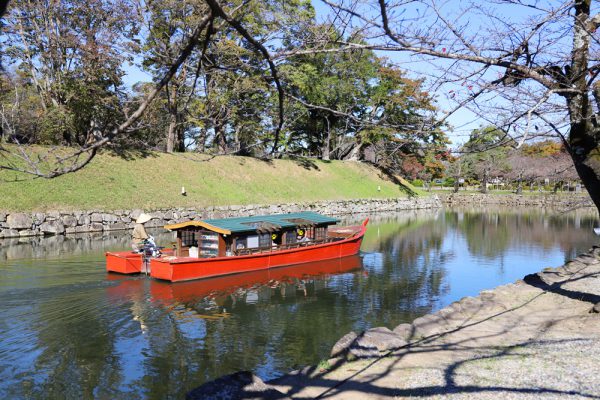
(111, 182)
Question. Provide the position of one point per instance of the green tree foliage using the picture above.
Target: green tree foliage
(333, 90)
(348, 102)
(228, 67)
(222, 99)
(486, 155)
(21, 110)
(70, 53)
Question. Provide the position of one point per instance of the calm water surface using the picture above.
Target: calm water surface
(69, 330)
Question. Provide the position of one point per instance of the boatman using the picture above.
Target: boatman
(139, 232)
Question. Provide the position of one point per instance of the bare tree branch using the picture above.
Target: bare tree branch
(218, 11)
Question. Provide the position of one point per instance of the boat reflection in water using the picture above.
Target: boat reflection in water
(216, 293)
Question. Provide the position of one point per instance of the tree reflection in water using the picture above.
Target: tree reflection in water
(67, 329)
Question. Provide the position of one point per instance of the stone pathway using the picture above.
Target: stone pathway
(532, 339)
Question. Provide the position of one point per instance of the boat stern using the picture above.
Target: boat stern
(124, 262)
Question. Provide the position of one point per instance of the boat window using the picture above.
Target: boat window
(320, 233)
(252, 241)
(290, 237)
(241, 243)
(209, 244)
(188, 238)
(264, 240)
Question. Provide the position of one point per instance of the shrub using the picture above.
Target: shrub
(449, 182)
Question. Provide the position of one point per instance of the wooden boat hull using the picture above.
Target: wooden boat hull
(124, 262)
(176, 269)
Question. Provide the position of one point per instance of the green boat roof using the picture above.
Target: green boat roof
(252, 224)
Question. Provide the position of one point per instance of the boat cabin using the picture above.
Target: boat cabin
(249, 235)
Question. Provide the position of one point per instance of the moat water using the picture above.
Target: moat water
(70, 330)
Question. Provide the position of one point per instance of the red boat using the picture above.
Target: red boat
(218, 247)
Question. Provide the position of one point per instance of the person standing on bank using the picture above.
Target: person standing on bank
(139, 233)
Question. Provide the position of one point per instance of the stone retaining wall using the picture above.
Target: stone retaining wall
(58, 223)
(560, 201)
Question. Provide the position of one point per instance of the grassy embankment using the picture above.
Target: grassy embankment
(154, 181)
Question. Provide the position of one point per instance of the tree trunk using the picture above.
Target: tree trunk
(484, 181)
(584, 143)
(172, 133)
(241, 145)
(356, 153)
(237, 144)
(325, 149)
(175, 139)
(520, 183)
(180, 144)
(201, 141)
(457, 178)
(585, 153)
(220, 139)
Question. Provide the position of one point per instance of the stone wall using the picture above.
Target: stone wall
(58, 223)
(560, 201)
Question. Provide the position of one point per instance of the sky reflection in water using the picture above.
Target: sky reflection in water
(67, 329)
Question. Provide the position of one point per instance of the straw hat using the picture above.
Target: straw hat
(143, 218)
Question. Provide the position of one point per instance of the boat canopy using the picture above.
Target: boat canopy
(258, 223)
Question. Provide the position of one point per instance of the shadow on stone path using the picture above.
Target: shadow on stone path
(533, 339)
